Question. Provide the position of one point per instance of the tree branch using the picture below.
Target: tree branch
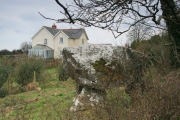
(66, 11)
(46, 17)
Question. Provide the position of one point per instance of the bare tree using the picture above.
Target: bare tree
(139, 32)
(120, 15)
(25, 46)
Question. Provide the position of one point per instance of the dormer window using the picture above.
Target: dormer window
(45, 41)
(61, 41)
(82, 41)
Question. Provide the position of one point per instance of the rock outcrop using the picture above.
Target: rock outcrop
(93, 67)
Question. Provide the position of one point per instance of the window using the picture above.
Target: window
(82, 41)
(61, 40)
(45, 41)
(42, 53)
(46, 54)
(61, 53)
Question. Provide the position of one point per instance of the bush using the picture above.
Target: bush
(5, 69)
(25, 70)
(3, 93)
(62, 75)
(160, 95)
(161, 99)
(156, 49)
(3, 75)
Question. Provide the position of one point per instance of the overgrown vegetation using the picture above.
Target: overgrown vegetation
(5, 68)
(51, 102)
(144, 87)
(61, 73)
(25, 70)
(150, 83)
(3, 93)
(155, 81)
(151, 74)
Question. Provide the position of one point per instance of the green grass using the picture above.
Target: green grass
(52, 102)
(51, 70)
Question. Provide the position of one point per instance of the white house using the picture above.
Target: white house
(49, 42)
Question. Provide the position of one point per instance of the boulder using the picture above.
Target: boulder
(94, 68)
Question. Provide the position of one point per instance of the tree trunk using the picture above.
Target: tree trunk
(172, 18)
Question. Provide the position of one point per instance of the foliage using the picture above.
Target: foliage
(25, 70)
(150, 84)
(4, 72)
(3, 93)
(61, 73)
(52, 102)
(156, 49)
(153, 84)
(5, 68)
(5, 52)
(15, 52)
(158, 81)
(161, 96)
(100, 66)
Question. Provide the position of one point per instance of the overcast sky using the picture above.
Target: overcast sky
(19, 21)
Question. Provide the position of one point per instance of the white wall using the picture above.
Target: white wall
(59, 46)
(78, 42)
(39, 38)
(83, 36)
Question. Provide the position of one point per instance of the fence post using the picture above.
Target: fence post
(9, 84)
(34, 80)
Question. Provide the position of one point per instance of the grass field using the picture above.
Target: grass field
(51, 102)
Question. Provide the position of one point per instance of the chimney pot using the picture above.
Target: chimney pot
(54, 26)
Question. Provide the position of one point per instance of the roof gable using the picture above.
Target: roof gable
(40, 30)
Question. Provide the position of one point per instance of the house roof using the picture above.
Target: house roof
(41, 47)
(71, 33)
(52, 31)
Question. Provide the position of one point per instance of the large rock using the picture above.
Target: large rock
(93, 67)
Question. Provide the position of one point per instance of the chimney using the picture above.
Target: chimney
(54, 26)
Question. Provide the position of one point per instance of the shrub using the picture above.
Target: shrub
(161, 99)
(3, 93)
(156, 49)
(5, 69)
(3, 75)
(25, 70)
(61, 73)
